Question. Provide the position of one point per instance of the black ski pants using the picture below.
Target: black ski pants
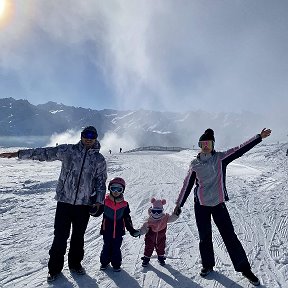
(223, 222)
(111, 251)
(67, 215)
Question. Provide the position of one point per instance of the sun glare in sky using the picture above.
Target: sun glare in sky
(5, 12)
(2, 7)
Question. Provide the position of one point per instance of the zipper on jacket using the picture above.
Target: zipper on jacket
(104, 224)
(156, 240)
(86, 150)
(114, 232)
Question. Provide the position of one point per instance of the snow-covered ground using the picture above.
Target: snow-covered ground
(257, 186)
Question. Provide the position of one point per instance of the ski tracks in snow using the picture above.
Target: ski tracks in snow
(261, 215)
(257, 186)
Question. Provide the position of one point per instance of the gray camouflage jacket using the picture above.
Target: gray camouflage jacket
(83, 172)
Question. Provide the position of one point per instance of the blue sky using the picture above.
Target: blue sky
(162, 55)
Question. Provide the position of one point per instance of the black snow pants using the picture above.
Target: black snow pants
(111, 251)
(67, 214)
(223, 222)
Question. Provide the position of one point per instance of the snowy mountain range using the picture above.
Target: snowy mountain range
(19, 118)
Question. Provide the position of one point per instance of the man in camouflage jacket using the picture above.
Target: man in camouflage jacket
(82, 183)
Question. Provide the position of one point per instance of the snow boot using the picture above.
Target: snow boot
(116, 268)
(145, 261)
(104, 266)
(161, 260)
(52, 277)
(205, 271)
(251, 277)
(78, 270)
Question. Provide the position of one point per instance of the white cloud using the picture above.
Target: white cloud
(68, 137)
(112, 141)
(159, 55)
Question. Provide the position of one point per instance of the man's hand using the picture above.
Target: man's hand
(9, 155)
(94, 210)
(97, 205)
(265, 133)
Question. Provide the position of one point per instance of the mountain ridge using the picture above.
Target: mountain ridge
(21, 118)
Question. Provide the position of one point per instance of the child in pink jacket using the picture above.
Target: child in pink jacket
(155, 231)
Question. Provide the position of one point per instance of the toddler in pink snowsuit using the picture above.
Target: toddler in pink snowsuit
(155, 231)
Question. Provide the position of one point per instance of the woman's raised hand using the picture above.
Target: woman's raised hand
(265, 133)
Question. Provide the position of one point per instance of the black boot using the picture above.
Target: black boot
(251, 277)
(52, 277)
(104, 266)
(205, 271)
(116, 268)
(145, 261)
(77, 269)
(161, 260)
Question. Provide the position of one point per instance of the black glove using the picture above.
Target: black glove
(178, 211)
(135, 233)
(95, 211)
(93, 199)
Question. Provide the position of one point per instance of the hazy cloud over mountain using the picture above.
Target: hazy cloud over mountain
(161, 55)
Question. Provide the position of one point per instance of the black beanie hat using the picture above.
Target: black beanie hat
(90, 129)
(208, 135)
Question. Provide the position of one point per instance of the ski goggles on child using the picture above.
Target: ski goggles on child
(116, 188)
(89, 135)
(156, 211)
(208, 144)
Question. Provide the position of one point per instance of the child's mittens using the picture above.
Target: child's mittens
(172, 218)
(135, 233)
(144, 229)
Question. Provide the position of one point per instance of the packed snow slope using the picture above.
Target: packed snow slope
(257, 186)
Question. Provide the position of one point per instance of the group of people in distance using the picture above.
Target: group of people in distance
(120, 150)
(81, 192)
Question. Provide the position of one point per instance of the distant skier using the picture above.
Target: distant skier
(120, 150)
(155, 229)
(82, 178)
(209, 172)
(287, 152)
(116, 217)
(110, 151)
